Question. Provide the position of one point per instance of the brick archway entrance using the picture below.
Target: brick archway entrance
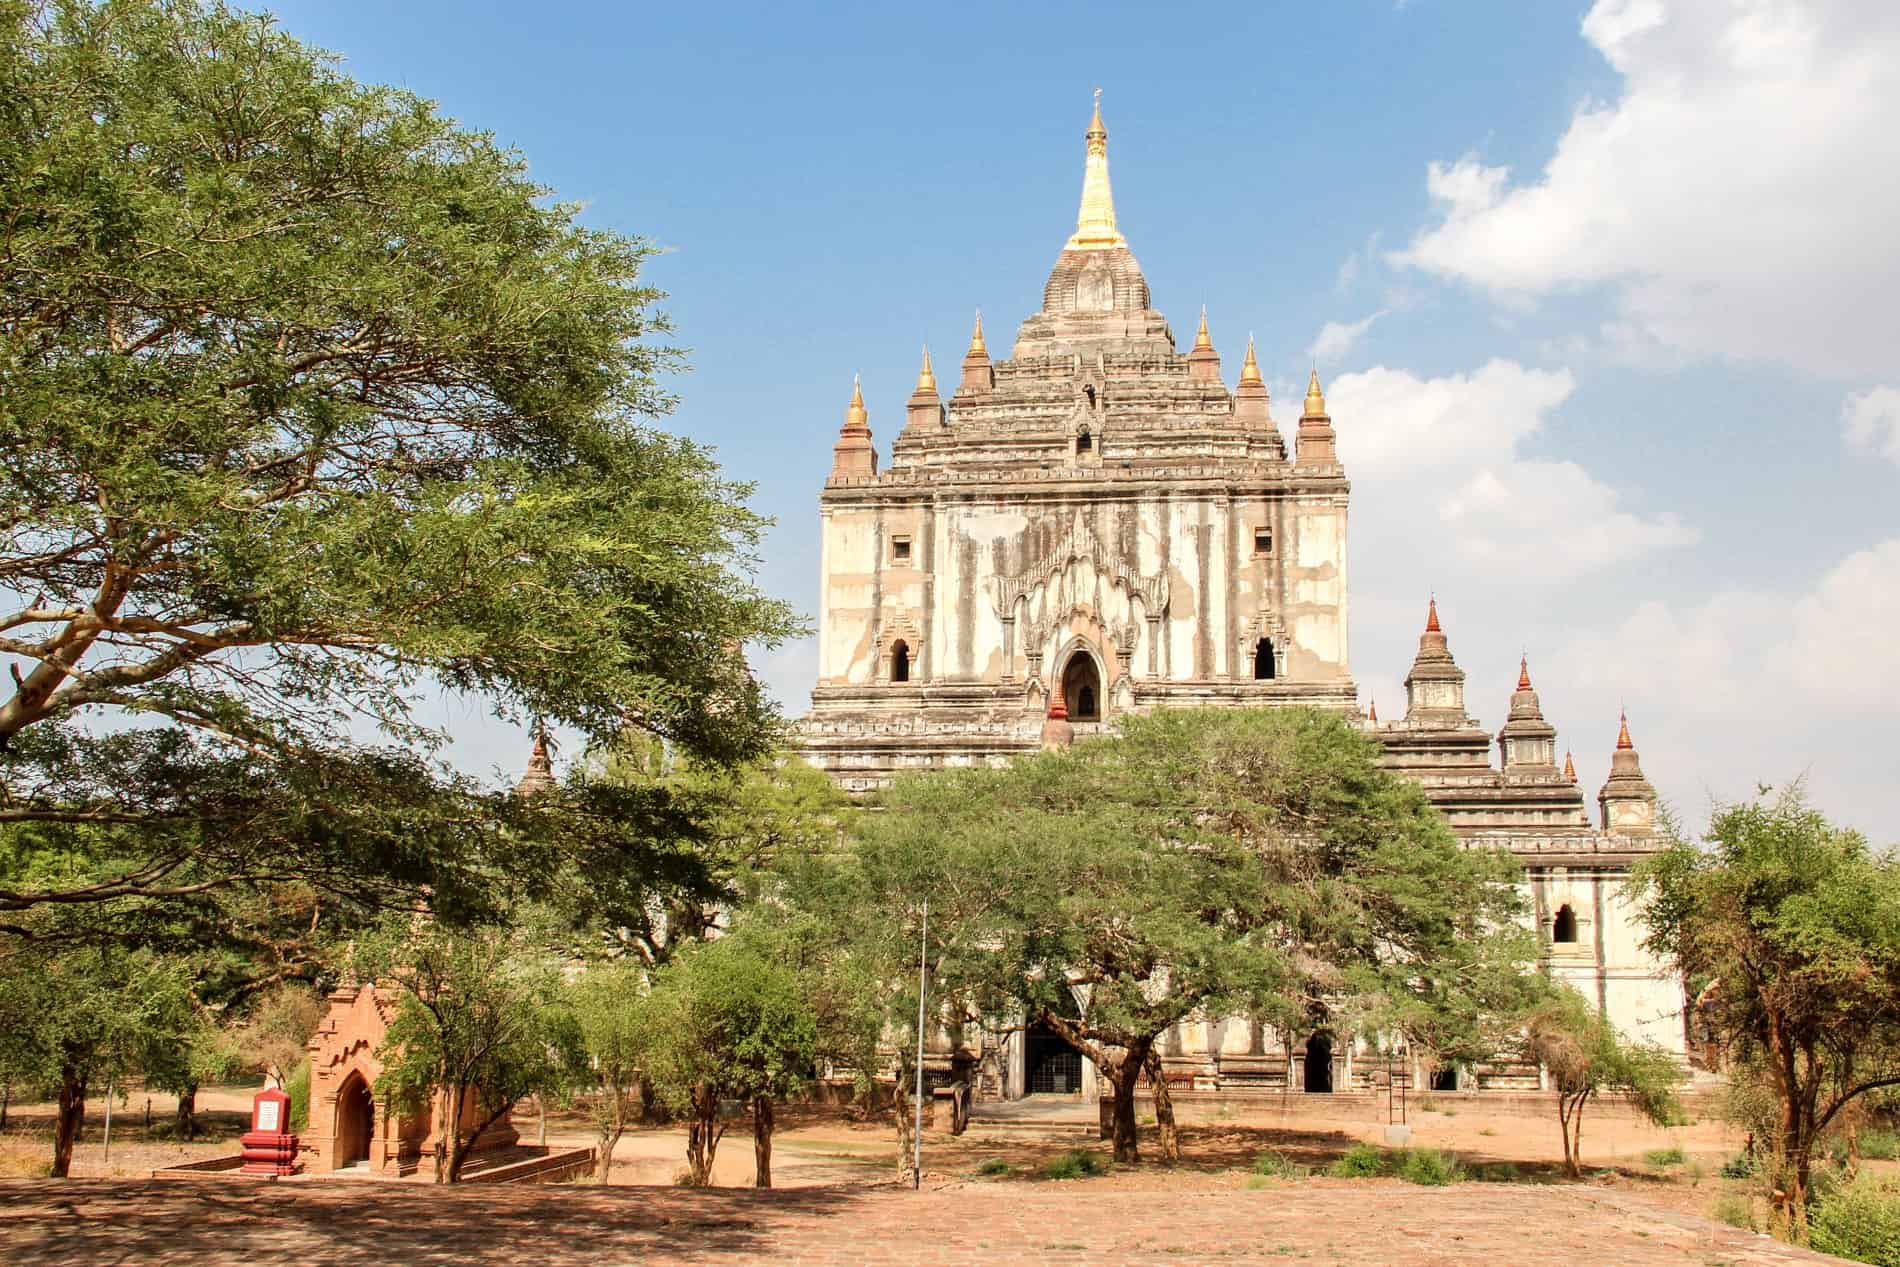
(355, 1120)
(1082, 687)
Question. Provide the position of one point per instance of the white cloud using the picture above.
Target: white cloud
(1870, 422)
(1486, 508)
(1841, 639)
(1337, 338)
(1738, 195)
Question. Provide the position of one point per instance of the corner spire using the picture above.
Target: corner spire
(853, 456)
(1372, 712)
(977, 346)
(1431, 617)
(1095, 220)
(1201, 341)
(1315, 398)
(539, 776)
(1250, 368)
(855, 414)
(1570, 767)
(1524, 673)
(1623, 743)
(926, 377)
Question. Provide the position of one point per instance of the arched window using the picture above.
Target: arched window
(1565, 927)
(1090, 393)
(1084, 442)
(1263, 660)
(1082, 688)
(900, 661)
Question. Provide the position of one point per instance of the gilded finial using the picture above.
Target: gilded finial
(1250, 368)
(1315, 398)
(926, 377)
(856, 415)
(1372, 713)
(977, 347)
(1623, 743)
(1431, 617)
(1095, 221)
(1570, 767)
(1201, 341)
(1524, 673)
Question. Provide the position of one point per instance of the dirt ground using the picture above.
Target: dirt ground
(835, 1201)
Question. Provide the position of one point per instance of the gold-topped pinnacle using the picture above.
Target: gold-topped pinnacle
(1250, 368)
(926, 377)
(1315, 398)
(1095, 221)
(856, 415)
(1202, 343)
(977, 347)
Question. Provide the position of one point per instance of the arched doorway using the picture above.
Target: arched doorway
(1319, 1062)
(900, 661)
(355, 1115)
(1564, 928)
(1082, 688)
(1050, 1065)
(1263, 660)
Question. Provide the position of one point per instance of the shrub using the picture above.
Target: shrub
(1735, 1210)
(1671, 1156)
(1860, 1221)
(1075, 1165)
(1740, 1166)
(1494, 1172)
(297, 1087)
(1361, 1161)
(1879, 1145)
(1426, 1104)
(1429, 1167)
(994, 1166)
(1275, 1165)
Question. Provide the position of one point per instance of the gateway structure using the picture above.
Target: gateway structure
(1094, 524)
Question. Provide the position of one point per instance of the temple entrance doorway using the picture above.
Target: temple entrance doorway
(355, 1114)
(1082, 688)
(1052, 1065)
(1319, 1063)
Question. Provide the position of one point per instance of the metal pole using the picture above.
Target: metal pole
(108, 1121)
(917, 1134)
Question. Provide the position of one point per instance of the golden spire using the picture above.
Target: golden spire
(857, 415)
(1570, 767)
(1431, 617)
(1201, 341)
(1315, 398)
(1524, 672)
(977, 347)
(926, 377)
(1095, 222)
(1372, 714)
(1623, 735)
(1250, 368)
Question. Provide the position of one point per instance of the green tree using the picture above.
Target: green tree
(726, 1019)
(1583, 1055)
(607, 1002)
(481, 1023)
(310, 402)
(1794, 923)
(1204, 861)
(275, 1034)
(88, 1017)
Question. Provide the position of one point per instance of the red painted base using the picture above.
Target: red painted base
(269, 1153)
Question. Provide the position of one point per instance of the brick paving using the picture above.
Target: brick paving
(1317, 1221)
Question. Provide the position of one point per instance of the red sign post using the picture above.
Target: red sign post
(269, 1147)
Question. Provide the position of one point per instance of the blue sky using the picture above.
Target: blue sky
(1603, 294)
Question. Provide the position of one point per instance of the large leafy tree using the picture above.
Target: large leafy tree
(310, 402)
(1206, 862)
(1793, 924)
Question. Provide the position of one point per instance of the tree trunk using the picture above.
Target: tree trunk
(762, 1140)
(1124, 1077)
(702, 1136)
(1164, 1108)
(652, 1112)
(612, 1127)
(188, 1112)
(71, 1116)
(1564, 1108)
(904, 1104)
(1105, 1106)
(448, 1153)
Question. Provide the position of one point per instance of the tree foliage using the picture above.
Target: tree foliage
(607, 1000)
(311, 401)
(1203, 862)
(727, 1020)
(481, 1023)
(1794, 923)
(1583, 1055)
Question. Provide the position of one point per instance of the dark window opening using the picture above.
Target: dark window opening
(1090, 393)
(1565, 929)
(1084, 442)
(1082, 688)
(900, 662)
(900, 549)
(1263, 541)
(1445, 1079)
(1263, 660)
(1054, 1067)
